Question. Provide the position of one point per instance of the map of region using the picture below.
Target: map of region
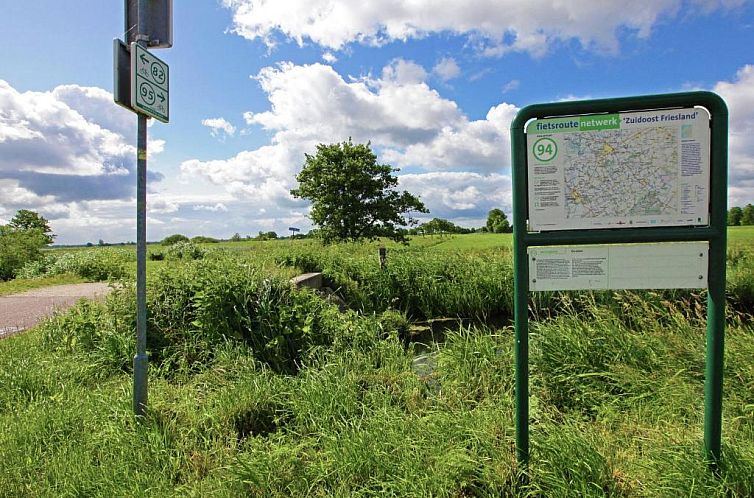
(621, 173)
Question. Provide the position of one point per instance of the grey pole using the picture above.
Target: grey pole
(140, 360)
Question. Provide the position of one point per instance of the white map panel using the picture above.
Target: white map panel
(634, 169)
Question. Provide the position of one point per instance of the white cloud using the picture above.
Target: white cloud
(329, 57)
(410, 123)
(495, 26)
(511, 85)
(739, 95)
(482, 145)
(41, 133)
(403, 72)
(219, 127)
(447, 69)
(460, 194)
(397, 109)
(219, 207)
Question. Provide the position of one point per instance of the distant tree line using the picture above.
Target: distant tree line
(741, 216)
(497, 222)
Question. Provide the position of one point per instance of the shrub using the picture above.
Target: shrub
(174, 239)
(17, 248)
(201, 239)
(90, 264)
(184, 250)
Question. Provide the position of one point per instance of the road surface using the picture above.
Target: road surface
(22, 311)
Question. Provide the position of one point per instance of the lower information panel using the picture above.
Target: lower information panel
(666, 265)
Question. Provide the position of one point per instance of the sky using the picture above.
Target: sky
(255, 85)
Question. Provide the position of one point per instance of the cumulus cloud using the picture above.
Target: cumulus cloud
(447, 69)
(219, 207)
(482, 145)
(41, 133)
(329, 57)
(739, 95)
(63, 149)
(405, 120)
(494, 26)
(460, 194)
(219, 127)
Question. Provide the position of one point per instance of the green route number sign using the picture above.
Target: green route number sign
(545, 149)
(149, 84)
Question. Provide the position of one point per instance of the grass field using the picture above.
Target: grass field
(259, 390)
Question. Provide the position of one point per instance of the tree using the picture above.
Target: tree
(353, 197)
(734, 216)
(747, 215)
(174, 239)
(497, 222)
(26, 220)
(266, 236)
(18, 247)
(440, 225)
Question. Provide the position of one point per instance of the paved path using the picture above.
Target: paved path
(22, 311)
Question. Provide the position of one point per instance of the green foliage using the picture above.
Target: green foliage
(185, 250)
(260, 390)
(31, 221)
(202, 239)
(414, 282)
(734, 216)
(93, 265)
(174, 239)
(747, 215)
(17, 248)
(353, 197)
(440, 226)
(497, 222)
(266, 236)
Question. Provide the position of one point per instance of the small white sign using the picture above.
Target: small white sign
(149, 84)
(681, 265)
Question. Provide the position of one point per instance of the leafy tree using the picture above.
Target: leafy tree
(734, 216)
(497, 222)
(26, 220)
(266, 236)
(440, 225)
(353, 197)
(18, 247)
(236, 237)
(747, 215)
(174, 239)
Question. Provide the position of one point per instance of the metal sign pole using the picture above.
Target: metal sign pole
(140, 360)
(713, 375)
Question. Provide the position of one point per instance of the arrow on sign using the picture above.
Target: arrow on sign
(162, 97)
(144, 60)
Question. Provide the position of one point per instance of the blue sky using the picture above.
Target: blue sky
(254, 85)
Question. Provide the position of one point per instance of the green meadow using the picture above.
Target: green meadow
(398, 381)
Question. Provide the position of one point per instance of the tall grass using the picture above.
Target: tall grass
(260, 390)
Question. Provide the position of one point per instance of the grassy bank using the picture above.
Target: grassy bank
(259, 390)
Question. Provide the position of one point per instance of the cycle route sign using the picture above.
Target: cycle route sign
(149, 84)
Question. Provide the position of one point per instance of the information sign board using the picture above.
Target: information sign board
(619, 170)
(619, 266)
(149, 84)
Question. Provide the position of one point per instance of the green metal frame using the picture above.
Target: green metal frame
(714, 233)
